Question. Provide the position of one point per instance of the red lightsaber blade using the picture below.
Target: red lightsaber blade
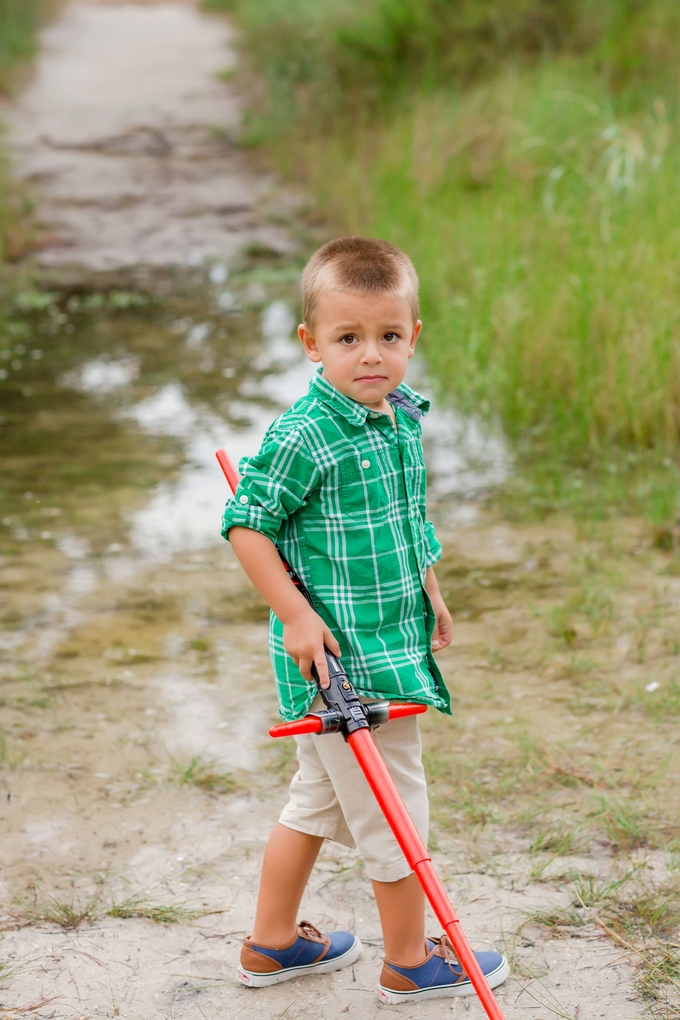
(398, 818)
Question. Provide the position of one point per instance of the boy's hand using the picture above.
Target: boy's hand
(443, 628)
(304, 635)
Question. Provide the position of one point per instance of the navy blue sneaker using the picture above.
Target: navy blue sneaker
(309, 952)
(440, 974)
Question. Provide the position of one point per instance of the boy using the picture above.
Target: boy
(339, 486)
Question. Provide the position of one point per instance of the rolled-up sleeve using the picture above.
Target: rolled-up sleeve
(433, 547)
(274, 484)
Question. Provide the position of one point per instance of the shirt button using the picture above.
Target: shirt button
(243, 499)
(365, 464)
(374, 414)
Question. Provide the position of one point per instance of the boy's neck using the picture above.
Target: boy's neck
(382, 406)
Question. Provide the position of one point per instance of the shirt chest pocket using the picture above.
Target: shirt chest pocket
(364, 490)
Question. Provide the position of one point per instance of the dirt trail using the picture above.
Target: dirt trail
(138, 785)
(129, 137)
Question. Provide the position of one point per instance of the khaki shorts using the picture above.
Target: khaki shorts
(329, 795)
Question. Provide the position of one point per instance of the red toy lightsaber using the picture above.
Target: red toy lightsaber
(346, 713)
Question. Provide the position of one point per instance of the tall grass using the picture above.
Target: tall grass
(525, 153)
(546, 230)
(19, 21)
(323, 56)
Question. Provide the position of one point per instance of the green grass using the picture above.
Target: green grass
(139, 906)
(640, 916)
(203, 773)
(19, 23)
(63, 912)
(325, 55)
(543, 226)
(72, 913)
(525, 155)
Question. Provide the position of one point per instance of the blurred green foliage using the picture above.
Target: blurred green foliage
(323, 55)
(19, 22)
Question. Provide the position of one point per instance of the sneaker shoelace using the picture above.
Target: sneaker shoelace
(308, 931)
(445, 948)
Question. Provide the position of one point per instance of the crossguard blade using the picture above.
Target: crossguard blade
(321, 722)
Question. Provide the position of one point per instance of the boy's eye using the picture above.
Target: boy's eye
(390, 337)
(349, 339)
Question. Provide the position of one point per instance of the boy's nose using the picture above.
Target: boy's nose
(372, 353)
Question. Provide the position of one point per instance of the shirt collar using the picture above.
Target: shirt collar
(412, 403)
(357, 413)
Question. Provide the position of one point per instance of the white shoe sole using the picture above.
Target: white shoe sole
(496, 977)
(253, 980)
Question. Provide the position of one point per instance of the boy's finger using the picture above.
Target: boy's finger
(305, 667)
(331, 644)
(322, 669)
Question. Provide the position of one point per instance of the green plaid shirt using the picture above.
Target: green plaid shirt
(342, 494)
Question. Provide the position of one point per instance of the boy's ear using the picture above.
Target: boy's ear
(309, 343)
(414, 338)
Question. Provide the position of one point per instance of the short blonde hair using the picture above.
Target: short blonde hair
(360, 265)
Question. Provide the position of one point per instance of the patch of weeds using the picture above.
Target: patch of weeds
(9, 969)
(121, 656)
(561, 771)
(203, 773)
(279, 759)
(645, 919)
(656, 910)
(249, 607)
(663, 702)
(589, 890)
(585, 615)
(555, 841)
(72, 914)
(560, 624)
(261, 250)
(9, 759)
(555, 919)
(624, 826)
(65, 913)
(199, 645)
(148, 606)
(635, 913)
(159, 913)
(343, 873)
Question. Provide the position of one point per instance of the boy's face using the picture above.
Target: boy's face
(364, 343)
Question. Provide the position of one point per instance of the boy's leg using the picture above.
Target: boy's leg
(400, 899)
(402, 916)
(287, 865)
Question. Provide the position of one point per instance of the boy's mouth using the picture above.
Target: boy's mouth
(371, 378)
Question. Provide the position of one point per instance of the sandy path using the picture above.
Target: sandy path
(127, 136)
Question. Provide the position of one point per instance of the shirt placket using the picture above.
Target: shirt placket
(412, 501)
(399, 439)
